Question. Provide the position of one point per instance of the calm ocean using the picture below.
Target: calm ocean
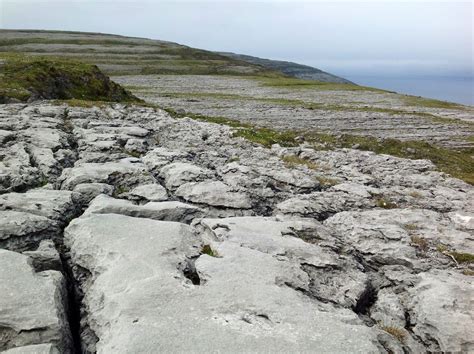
(452, 89)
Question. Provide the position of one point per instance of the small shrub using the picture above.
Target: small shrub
(293, 161)
(468, 272)
(415, 194)
(461, 257)
(206, 249)
(420, 242)
(410, 227)
(133, 153)
(385, 203)
(233, 159)
(120, 190)
(442, 248)
(326, 181)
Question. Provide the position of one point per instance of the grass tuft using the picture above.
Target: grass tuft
(294, 161)
(397, 332)
(207, 249)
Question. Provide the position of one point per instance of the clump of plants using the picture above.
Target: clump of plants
(420, 242)
(24, 78)
(397, 332)
(207, 249)
(385, 203)
(294, 161)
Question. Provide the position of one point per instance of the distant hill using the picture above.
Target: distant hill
(290, 69)
(121, 55)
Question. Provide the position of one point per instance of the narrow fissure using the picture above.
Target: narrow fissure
(190, 272)
(73, 312)
(365, 302)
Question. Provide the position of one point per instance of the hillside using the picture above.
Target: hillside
(119, 55)
(245, 212)
(24, 78)
(291, 69)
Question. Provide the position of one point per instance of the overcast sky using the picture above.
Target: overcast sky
(351, 37)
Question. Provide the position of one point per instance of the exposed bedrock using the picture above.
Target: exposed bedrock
(124, 230)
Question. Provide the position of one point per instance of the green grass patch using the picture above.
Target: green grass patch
(207, 249)
(294, 161)
(23, 78)
(461, 257)
(430, 103)
(311, 84)
(457, 163)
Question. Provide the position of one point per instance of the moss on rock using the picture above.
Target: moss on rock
(24, 78)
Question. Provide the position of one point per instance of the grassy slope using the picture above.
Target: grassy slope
(24, 78)
(117, 55)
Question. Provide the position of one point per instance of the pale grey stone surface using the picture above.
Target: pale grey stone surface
(32, 305)
(440, 309)
(304, 257)
(168, 210)
(213, 193)
(150, 192)
(33, 349)
(262, 315)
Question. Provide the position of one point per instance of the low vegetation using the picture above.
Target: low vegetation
(385, 203)
(461, 257)
(207, 249)
(420, 242)
(309, 84)
(397, 332)
(294, 161)
(458, 164)
(24, 78)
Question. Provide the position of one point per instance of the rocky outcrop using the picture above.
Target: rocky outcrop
(200, 244)
(33, 305)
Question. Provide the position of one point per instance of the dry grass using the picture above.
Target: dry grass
(294, 161)
(397, 332)
(420, 243)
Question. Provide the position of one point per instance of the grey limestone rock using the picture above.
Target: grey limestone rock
(167, 210)
(32, 305)
(214, 193)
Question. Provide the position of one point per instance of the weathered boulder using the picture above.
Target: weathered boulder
(170, 210)
(21, 231)
(33, 349)
(32, 305)
(109, 172)
(396, 236)
(134, 279)
(89, 191)
(149, 192)
(441, 312)
(214, 193)
(56, 205)
(45, 257)
(177, 173)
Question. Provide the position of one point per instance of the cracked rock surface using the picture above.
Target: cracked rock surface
(125, 230)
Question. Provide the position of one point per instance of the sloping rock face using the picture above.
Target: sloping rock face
(142, 236)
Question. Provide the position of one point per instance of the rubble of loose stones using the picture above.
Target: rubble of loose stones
(136, 234)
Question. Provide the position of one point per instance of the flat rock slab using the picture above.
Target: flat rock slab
(53, 204)
(138, 300)
(99, 173)
(34, 349)
(31, 305)
(441, 311)
(22, 231)
(214, 193)
(169, 210)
